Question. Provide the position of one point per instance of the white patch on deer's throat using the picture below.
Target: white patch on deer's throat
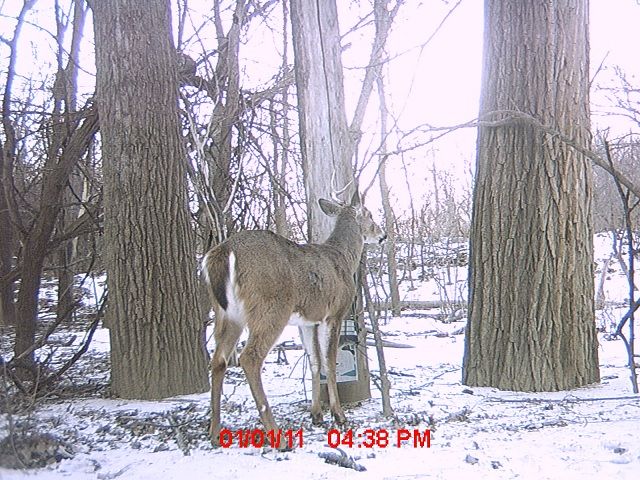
(235, 305)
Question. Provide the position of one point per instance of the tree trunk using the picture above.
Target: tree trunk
(27, 302)
(226, 115)
(65, 281)
(325, 143)
(531, 308)
(281, 156)
(67, 78)
(324, 136)
(57, 169)
(7, 307)
(279, 166)
(385, 384)
(8, 156)
(389, 217)
(154, 317)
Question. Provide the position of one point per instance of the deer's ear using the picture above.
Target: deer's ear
(328, 207)
(355, 199)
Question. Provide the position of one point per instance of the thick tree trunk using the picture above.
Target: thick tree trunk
(325, 141)
(154, 317)
(324, 137)
(531, 308)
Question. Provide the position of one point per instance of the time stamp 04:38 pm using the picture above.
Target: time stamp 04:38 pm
(367, 438)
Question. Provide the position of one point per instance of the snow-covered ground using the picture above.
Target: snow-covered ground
(591, 432)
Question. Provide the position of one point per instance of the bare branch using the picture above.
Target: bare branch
(504, 118)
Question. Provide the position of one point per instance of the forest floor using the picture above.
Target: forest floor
(77, 431)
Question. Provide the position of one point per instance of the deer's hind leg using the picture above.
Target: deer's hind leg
(263, 333)
(329, 338)
(226, 336)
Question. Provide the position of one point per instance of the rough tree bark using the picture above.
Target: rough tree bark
(7, 307)
(154, 317)
(531, 307)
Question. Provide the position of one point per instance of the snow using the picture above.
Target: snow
(590, 432)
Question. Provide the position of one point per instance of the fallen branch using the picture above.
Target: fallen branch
(389, 344)
(570, 399)
(182, 443)
(419, 305)
(342, 460)
(459, 416)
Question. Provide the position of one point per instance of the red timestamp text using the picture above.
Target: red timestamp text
(257, 438)
(380, 438)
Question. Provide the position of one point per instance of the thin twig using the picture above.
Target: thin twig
(624, 197)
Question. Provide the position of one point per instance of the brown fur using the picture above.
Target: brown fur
(275, 279)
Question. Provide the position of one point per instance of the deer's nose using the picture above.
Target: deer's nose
(382, 238)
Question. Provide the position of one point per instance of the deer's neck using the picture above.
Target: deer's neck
(347, 240)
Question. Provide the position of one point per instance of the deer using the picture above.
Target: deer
(262, 281)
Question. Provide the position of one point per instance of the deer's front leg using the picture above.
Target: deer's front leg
(332, 338)
(309, 335)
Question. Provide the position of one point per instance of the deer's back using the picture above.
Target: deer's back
(273, 272)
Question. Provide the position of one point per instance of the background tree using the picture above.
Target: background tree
(154, 316)
(383, 18)
(65, 93)
(531, 308)
(232, 130)
(8, 155)
(226, 114)
(54, 151)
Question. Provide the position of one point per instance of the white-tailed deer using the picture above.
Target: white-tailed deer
(262, 281)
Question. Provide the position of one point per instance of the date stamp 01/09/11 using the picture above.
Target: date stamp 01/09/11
(367, 438)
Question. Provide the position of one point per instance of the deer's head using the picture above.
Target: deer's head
(370, 230)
